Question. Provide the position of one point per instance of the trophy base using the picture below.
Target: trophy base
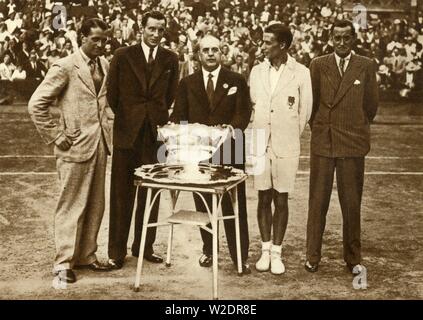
(192, 172)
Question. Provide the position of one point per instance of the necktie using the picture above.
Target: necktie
(150, 57)
(342, 66)
(210, 89)
(96, 74)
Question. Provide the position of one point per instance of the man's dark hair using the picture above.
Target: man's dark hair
(343, 24)
(152, 14)
(88, 24)
(282, 33)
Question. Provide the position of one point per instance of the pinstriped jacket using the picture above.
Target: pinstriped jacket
(342, 107)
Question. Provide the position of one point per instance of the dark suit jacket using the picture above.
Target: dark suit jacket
(192, 104)
(133, 99)
(116, 45)
(342, 107)
(36, 73)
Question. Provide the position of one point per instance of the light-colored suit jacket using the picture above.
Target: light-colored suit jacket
(83, 115)
(283, 114)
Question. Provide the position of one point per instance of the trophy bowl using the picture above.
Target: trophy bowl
(189, 144)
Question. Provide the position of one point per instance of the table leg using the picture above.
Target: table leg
(237, 231)
(147, 211)
(174, 197)
(215, 244)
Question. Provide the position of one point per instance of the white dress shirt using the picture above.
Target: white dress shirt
(274, 75)
(347, 61)
(215, 74)
(146, 49)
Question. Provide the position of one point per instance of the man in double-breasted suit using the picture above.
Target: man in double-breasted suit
(345, 101)
(217, 96)
(142, 84)
(81, 143)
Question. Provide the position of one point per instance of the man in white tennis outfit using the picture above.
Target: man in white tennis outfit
(281, 94)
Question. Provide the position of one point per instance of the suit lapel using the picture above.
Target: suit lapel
(353, 70)
(158, 67)
(105, 71)
(265, 76)
(285, 77)
(332, 72)
(136, 59)
(84, 72)
(220, 90)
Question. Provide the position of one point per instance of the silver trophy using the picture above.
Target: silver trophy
(189, 144)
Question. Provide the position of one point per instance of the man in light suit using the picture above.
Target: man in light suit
(142, 85)
(345, 101)
(280, 89)
(81, 144)
(214, 96)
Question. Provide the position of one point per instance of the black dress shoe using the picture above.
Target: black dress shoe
(115, 264)
(66, 276)
(245, 268)
(96, 266)
(311, 267)
(355, 269)
(154, 258)
(206, 260)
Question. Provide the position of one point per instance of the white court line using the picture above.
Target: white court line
(381, 158)
(380, 173)
(375, 173)
(26, 156)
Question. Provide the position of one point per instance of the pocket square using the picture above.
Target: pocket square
(232, 90)
(357, 82)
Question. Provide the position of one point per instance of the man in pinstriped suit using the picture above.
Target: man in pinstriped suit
(345, 101)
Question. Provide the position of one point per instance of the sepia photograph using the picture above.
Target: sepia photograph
(204, 150)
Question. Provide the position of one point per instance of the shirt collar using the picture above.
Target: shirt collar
(347, 58)
(146, 50)
(215, 72)
(289, 63)
(85, 57)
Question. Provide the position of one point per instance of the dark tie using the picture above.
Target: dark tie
(150, 65)
(96, 74)
(150, 57)
(342, 66)
(210, 89)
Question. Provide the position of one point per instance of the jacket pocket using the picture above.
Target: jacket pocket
(72, 133)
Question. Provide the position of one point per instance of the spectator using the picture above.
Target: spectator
(34, 68)
(67, 49)
(241, 67)
(6, 68)
(19, 73)
(397, 63)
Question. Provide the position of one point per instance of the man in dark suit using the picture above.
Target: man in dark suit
(34, 68)
(142, 84)
(217, 96)
(345, 101)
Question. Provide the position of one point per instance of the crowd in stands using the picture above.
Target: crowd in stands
(30, 43)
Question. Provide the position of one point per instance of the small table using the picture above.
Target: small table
(200, 219)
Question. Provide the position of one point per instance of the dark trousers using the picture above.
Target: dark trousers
(227, 210)
(122, 195)
(349, 180)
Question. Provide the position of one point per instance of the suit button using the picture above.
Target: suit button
(271, 111)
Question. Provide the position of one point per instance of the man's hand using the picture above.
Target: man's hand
(63, 143)
(231, 129)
